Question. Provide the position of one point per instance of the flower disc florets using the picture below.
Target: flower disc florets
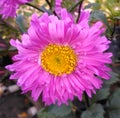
(58, 59)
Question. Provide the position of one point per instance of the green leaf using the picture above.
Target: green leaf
(67, 3)
(98, 15)
(95, 111)
(101, 95)
(20, 22)
(55, 111)
(114, 78)
(71, 115)
(60, 110)
(104, 92)
(43, 113)
(46, 115)
(94, 6)
(113, 105)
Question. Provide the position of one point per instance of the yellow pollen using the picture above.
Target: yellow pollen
(58, 59)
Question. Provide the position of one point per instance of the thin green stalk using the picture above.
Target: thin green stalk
(75, 5)
(31, 5)
(79, 11)
(52, 3)
(86, 100)
(49, 4)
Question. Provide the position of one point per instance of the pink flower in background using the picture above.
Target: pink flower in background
(58, 6)
(60, 59)
(8, 7)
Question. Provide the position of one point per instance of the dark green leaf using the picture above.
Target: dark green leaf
(113, 105)
(46, 115)
(21, 23)
(71, 115)
(55, 111)
(105, 91)
(98, 15)
(94, 6)
(95, 111)
(114, 78)
(101, 95)
(60, 110)
(67, 3)
(43, 113)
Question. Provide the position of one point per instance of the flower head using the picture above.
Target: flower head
(60, 59)
(58, 6)
(8, 7)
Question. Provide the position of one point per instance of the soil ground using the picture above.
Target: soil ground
(14, 105)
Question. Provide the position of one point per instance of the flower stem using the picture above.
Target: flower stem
(49, 4)
(86, 101)
(79, 11)
(31, 5)
(75, 5)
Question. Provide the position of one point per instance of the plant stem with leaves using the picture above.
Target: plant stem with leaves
(35, 7)
(75, 5)
(79, 11)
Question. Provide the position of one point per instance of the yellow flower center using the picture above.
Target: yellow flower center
(58, 59)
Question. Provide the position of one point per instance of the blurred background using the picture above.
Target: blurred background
(105, 104)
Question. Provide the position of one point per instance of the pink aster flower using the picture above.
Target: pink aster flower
(8, 7)
(58, 6)
(59, 59)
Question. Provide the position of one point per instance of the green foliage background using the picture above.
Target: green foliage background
(106, 102)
